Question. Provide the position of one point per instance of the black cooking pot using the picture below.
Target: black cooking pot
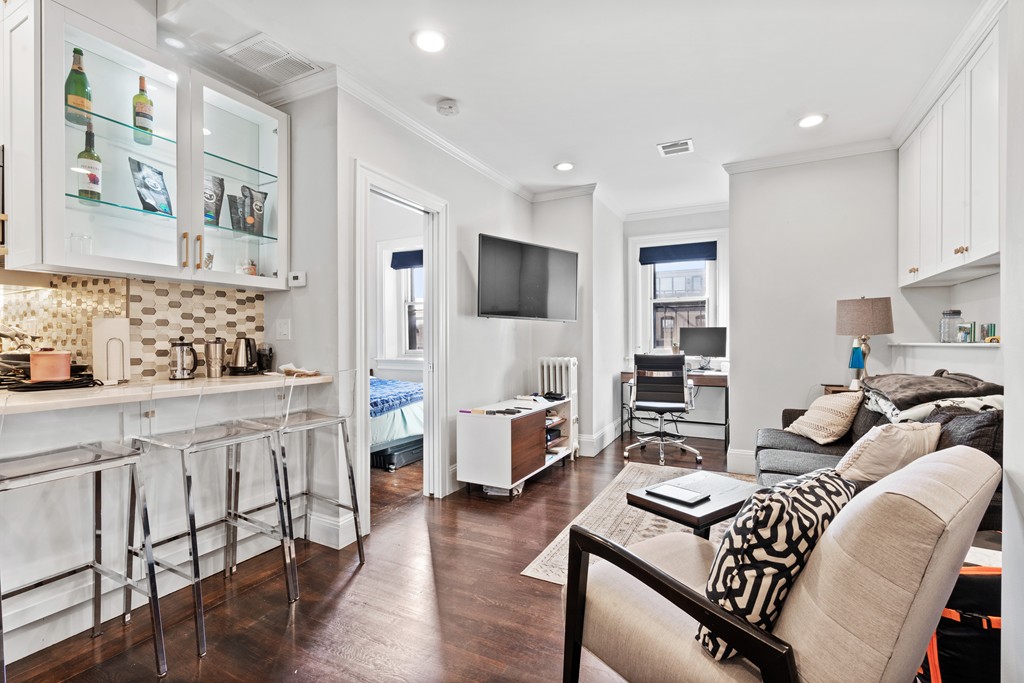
(17, 365)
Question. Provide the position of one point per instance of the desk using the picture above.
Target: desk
(708, 378)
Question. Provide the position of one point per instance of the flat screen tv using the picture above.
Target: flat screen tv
(521, 280)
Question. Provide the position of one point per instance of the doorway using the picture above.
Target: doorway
(407, 338)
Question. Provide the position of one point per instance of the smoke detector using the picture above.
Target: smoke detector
(271, 60)
(447, 107)
(669, 149)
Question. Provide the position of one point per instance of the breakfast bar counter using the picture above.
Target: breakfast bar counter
(13, 403)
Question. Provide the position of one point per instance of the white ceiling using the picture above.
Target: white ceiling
(600, 82)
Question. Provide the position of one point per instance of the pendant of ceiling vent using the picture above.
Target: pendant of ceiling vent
(669, 149)
(271, 60)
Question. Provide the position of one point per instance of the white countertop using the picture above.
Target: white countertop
(14, 403)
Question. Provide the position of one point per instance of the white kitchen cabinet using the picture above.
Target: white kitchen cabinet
(953, 173)
(983, 82)
(133, 228)
(909, 246)
(949, 180)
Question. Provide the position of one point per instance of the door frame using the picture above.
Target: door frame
(437, 479)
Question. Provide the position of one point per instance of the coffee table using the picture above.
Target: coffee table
(727, 496)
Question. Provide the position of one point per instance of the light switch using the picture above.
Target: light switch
(284, 328)
(297, 278)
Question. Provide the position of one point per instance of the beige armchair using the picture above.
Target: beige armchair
(863, 609)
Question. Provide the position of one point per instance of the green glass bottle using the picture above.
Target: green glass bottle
(142, 115)
(90, 168)
(77, 93)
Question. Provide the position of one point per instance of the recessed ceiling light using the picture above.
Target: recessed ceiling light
(564, 166)
(811, 120)
(175, 43)
(172, 77)
(206, 131)
(429, 40)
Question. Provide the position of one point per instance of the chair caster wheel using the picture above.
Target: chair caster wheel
(625, 455)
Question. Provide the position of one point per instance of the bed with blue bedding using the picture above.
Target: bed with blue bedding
(396, 423)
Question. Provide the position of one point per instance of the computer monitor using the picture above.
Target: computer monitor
(706, 342)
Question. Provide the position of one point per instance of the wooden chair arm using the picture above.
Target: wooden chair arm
(771, 655)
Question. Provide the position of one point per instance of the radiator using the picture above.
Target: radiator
(560, 374)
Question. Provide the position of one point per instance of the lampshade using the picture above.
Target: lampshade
(856, 317)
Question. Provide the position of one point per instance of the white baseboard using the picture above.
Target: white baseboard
(592, 444)
(740, 461)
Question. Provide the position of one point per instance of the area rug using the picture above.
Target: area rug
(612, 517)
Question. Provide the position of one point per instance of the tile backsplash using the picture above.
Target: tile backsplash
(163, 311)
(159, 312)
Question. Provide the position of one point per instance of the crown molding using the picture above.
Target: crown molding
(981, 22)
(674, 211)
(374, 99)
(304, 87)
(809, 156)
(338, 78)
(565, 193)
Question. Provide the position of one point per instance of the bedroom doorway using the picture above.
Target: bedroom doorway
(401, 297)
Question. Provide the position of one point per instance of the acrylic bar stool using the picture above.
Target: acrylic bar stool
(292, 419)
(77, 461)
(229, 436)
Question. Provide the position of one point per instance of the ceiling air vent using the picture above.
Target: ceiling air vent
(261, 55)
(668, 149)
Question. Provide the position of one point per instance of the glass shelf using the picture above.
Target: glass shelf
(240, 170)
(237, 235)
(115, 122)
(121, 207)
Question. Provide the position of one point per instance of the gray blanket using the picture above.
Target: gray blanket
(906, 391)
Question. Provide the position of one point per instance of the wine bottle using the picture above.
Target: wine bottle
(90, 167)
(77, 93)
(142, 112)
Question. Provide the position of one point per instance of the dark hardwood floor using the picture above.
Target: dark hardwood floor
(440, 597)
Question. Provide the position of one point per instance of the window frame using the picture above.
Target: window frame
(392, 289)
(640, 286)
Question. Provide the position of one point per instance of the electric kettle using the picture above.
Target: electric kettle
(243, 357)
(183, 360)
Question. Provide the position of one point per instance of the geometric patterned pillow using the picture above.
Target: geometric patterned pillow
(768, 545)
(828, 417)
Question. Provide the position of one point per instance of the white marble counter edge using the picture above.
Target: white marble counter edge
(14, 403)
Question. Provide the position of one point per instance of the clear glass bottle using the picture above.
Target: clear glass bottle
(949, 325)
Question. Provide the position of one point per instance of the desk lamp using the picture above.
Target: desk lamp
(862, 318)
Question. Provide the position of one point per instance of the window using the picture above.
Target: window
(679, 298)
(412, 310)
(676, 280)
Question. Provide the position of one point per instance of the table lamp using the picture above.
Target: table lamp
(862, 318)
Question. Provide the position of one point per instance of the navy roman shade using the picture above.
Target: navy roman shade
(407, 259)
(669, 253)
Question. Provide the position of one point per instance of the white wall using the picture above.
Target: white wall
(569, 224)
(609, 323)
(707, 220)
(978, 299)
(802, 237)
(1012, 274)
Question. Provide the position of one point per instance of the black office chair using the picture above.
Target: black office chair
(660, 386)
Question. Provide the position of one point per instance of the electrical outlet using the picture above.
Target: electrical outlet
(284, 328)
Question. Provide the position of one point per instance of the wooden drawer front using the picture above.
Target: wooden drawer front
(527, 444)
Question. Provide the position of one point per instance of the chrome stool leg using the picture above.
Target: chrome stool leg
(290, 573)
(309, 483)
(352, 491)
(138, 492)
(193, 540)
(97, 553)
(129, 558)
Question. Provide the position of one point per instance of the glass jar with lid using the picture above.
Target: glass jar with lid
(949, 325)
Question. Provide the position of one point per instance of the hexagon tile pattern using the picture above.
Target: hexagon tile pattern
(160, 312)
(62, 315)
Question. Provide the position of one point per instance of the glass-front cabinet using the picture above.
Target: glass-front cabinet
(243, 144)
(147, 167)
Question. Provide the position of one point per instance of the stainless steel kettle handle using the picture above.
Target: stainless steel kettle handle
(195, 358)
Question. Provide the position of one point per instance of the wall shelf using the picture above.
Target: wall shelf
(975, 345)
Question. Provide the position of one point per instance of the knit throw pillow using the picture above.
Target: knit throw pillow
(768, 545)
(887, 448)
(828, 418)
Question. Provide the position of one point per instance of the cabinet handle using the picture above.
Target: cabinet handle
(184, 252)
(964, 249)
(912, 270)
(199, 252)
